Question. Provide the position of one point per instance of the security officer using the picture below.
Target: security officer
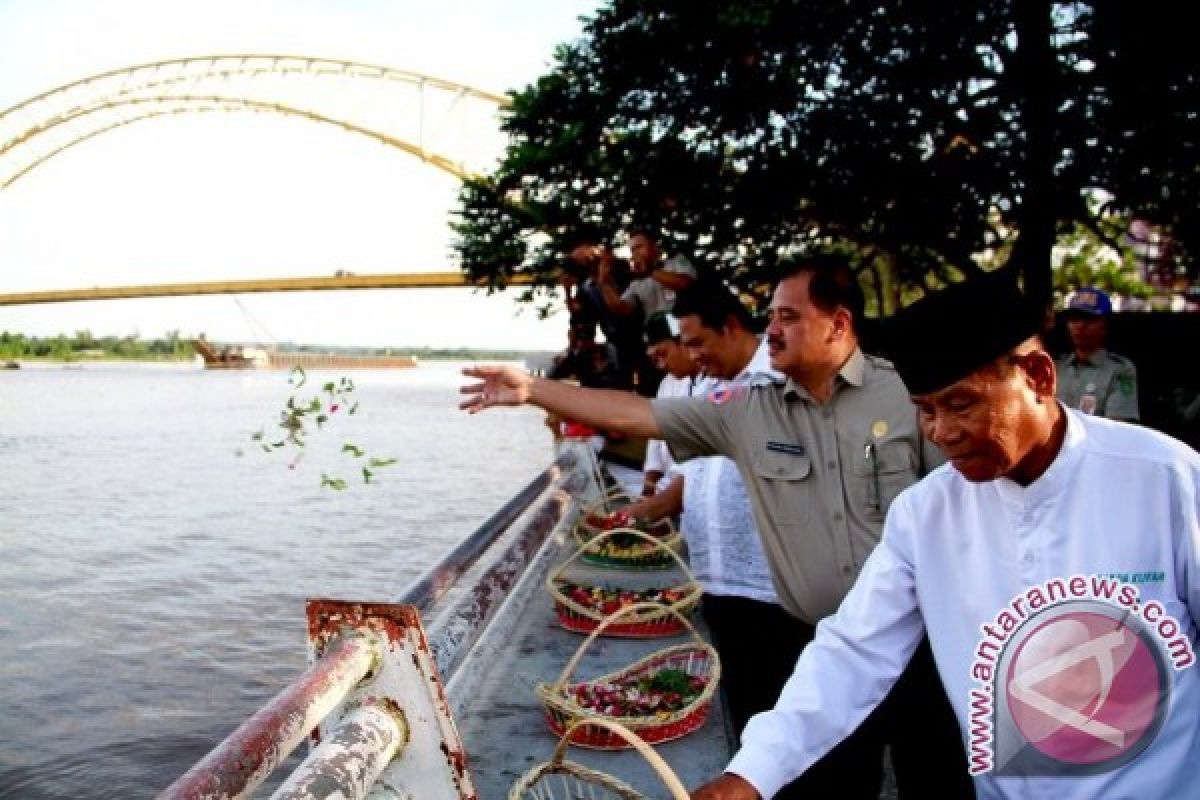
(1090, 378)
(822, 455)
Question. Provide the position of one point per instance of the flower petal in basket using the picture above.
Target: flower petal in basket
(629, 548)
(632, 696)
(582, 608)
(575, 780)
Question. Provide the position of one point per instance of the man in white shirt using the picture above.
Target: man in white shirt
(1054, 563)
(724, 547)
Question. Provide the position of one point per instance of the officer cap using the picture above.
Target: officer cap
(1089, 301)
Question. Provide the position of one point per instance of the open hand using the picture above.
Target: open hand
(499, 386)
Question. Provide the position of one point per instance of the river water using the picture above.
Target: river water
(154, 563)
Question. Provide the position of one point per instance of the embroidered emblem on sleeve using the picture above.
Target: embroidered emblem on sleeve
(726, 393)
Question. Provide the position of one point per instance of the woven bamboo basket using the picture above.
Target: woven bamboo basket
(653, 622)
(559, 779)
(643, 550)
(587, 525)
(696, 658)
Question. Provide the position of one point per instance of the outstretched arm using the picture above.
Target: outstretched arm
(601, 408)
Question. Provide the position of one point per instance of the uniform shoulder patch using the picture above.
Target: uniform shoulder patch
(1125, 383)
(724, 394)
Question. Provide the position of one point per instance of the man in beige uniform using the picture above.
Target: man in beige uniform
(1090, 378)
(822, 456)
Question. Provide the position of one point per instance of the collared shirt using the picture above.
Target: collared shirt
(1077, 593)
(820, 476)
(1104, 384)
(725, 551)
(658, 456)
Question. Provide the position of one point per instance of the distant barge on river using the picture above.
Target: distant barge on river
(244, 357)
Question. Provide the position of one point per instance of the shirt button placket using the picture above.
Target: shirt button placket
(1027, 544)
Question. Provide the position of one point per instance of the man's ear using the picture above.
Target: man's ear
(843, 321)
(730, 325)
(1039, 370)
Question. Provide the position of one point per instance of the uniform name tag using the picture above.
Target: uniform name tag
(786, 447)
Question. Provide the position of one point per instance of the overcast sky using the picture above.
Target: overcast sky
(206, 196)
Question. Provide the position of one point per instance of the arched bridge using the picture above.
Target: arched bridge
(445, 124)
(436, 120)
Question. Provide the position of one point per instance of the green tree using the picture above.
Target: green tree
(1102, 255)
(13, 345)
(918, 136)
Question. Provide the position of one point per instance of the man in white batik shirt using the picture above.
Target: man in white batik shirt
(1053, 563)
(725, 553)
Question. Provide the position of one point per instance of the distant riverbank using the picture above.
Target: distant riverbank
(83, 347)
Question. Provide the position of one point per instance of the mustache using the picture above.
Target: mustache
(774, 341)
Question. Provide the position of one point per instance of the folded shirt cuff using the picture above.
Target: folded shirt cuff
(762, 770)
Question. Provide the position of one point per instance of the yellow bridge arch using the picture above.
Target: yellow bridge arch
(436, 120)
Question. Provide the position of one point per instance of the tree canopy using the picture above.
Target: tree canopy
(922, 138)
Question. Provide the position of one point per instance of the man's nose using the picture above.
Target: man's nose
(940, 430)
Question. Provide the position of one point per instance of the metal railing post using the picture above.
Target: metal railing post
(235, 767)
(347, 763)
(373, 701)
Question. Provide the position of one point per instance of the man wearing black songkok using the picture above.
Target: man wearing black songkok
(1054, 564)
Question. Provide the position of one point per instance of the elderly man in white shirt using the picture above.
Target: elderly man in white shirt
(1054, 563)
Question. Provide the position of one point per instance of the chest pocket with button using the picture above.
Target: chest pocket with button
(891, 468)
(786, 484)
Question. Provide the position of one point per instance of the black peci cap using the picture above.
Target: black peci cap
(949, 334)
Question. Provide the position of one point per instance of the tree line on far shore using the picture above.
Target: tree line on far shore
(174, 347)
(82, 345)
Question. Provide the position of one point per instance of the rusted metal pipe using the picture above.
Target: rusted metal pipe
(459, 625)
(235, 767)
(427, 589)
(346, 764)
